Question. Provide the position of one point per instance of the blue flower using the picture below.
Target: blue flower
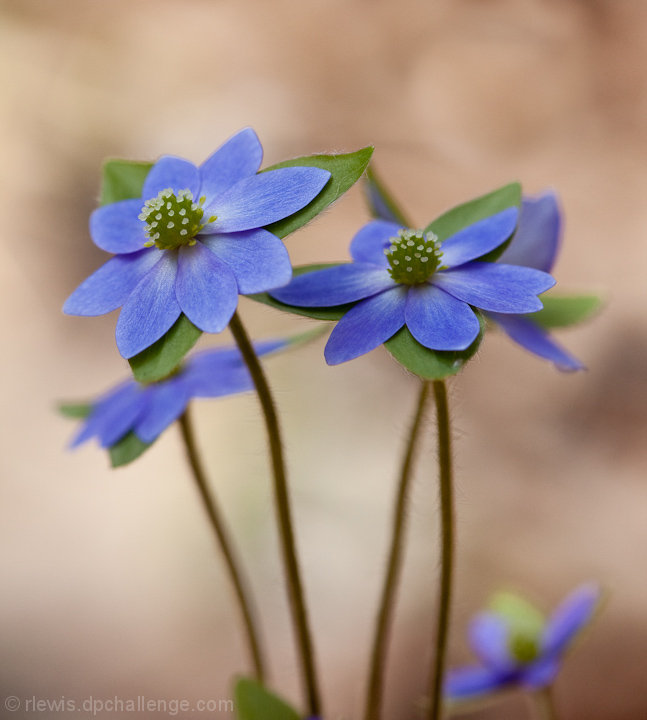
(193, 242)
(517, 647)
(536, 244)
(406, 277)
(147, 410)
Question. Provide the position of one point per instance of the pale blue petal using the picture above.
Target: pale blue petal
(206, 288)
(116, 228)
(478, 239)
(372, 240)
(471, 682)
(174, 173)
(236, 159)
(496, 287)
(167, 401)
(438, 320)
(109, 287)
(530, 336)
(367, 325)
(489, 636)
(150, 310)
(258, 259)
(570, 617)
(536, 242)
(540, 674)
(225, 380)
(335, 286)
(378, 204)
(265, 198)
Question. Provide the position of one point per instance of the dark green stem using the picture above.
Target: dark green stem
(545, 704)
(385, 612)
(222, 535)
(286, 533)
(447, 549)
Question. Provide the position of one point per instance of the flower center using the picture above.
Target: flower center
(172, 220)
(414, 256)
(523, 647)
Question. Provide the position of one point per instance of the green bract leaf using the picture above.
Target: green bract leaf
(253, 702)
(565, 310)
(522, 617)
(162, 357)
(129, 448)
(76, 411)
(377, 193)
(122, 180)
(345, 171)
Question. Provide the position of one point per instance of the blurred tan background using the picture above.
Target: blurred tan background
(111, 585)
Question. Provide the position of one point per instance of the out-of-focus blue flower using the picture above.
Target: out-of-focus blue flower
(147, 410)
(193, 242)
(406, 277)
(536, 244)
(516, 646)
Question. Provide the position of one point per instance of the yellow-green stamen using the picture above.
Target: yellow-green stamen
(414, 256)
(172, 220)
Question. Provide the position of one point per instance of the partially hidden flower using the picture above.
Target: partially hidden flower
(536, 244)
(401, 276)
(517, 647)
(147, 410)
(193, 241)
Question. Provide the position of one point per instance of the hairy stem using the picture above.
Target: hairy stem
(545, 704)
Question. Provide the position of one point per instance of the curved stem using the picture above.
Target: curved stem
(447, 549)
(385, 612)
(286, 532)
(545, 704)
(222, 535)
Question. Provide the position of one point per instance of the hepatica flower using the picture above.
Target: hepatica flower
(516, 646)
(193, 242)
(401, 276)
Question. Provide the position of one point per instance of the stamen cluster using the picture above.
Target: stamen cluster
(414, 256)
(172, 220)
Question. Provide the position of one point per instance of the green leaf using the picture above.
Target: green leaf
(522, 617)
(253, 702)
(345, 171)
(76, 411)
(129, 448)
(164, 356)
(122, 180)
(565, 310)
(380, 202)
(425, 363)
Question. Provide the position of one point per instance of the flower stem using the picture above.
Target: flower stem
(286, 532)
(447, 549)
(383, 622)
(545, 704)
(222, 535)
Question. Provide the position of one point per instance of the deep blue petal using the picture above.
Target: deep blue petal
(258, 259)
(570, 617)
(377, 203)
(206, 288)
(496, 287)
(150, 310)
(167, 401)
(116, 228)
(109, 287)
(367, 325)
(372, 240)
(335, 285)
(438, 320)
(478, 239)
(539, 674)
(265, 198)
(236, 159)
(536, 242)
(471, 682)
(489, 640)
(174, 173)
(530, 336)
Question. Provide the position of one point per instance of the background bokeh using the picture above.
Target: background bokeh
(111, 585)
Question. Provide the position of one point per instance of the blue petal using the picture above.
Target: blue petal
(171, 172)
(471, 682)
(570, 617)
(538, 235)
(258, 259)
(265, 198)
(335, 286)
(367, 325)
(530, 336)
(495, 287)
(150, 310)
(116, 228)
(438, 320)
(372, 240)
(540, 674)
(167, 401)
(238, 158)
(220, 382)
(377, 203)
(206, 288)
(489, 640)
(480, 238)
(109, 287)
